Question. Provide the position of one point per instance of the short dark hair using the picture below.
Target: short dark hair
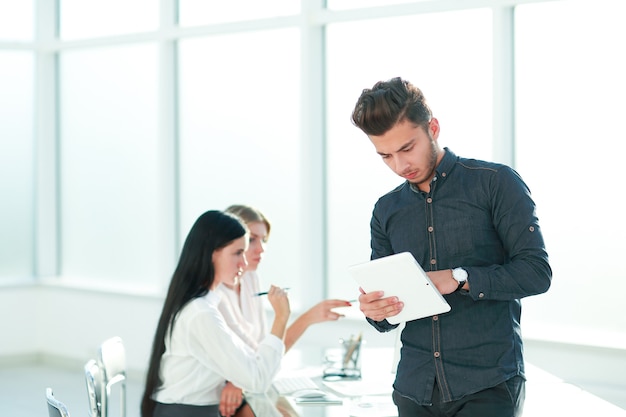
(387, 103)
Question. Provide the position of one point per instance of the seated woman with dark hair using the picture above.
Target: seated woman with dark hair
(194, 351)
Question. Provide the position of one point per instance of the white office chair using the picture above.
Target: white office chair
(93, 380)
(112, 364)
(55, 407)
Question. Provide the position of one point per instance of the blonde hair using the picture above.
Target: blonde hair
(249, 215)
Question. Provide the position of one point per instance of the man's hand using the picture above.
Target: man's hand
(377, 308)
(444, 282)
(230, 399)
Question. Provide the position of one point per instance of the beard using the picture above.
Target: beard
(429, 172)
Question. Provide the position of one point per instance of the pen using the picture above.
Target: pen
(265, 292)
(353, 347)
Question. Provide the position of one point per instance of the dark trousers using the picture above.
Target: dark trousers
(184, 410)
(504, 400)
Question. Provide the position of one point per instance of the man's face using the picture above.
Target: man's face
(410, 151)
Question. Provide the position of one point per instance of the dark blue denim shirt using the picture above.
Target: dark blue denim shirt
(479, 216)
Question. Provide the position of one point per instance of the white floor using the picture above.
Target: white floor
(23, 391)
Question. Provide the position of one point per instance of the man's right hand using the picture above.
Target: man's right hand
(377, 308)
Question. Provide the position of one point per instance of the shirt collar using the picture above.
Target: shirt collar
(443, 169)
(213, 297)
(446, 164)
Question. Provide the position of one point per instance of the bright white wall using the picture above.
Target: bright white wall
(19, 320)
(68, 325)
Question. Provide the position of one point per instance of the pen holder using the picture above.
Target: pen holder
(346, 363)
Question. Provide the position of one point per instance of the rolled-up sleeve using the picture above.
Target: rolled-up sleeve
(527, 270)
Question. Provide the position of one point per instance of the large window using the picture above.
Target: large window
(16, 164)
(239, 136)
(16, 20)
(152, 112)
(202, 12)
(353, 4)
(109, 168)
(570, 144)
(81, 19)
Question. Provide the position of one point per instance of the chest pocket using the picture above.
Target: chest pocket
(457, 236)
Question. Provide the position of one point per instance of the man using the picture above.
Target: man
(472, 226)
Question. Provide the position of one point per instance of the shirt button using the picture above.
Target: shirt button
(531, 228)
(443, 174)
(435, 318)
(429, 200)
(481, 295)
(433, 261)
(437, 354)
(430, 229)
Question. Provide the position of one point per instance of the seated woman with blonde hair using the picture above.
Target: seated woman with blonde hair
(244, 311)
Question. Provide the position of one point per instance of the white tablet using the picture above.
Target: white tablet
(400, 275)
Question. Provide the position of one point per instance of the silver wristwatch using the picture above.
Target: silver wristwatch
(460, 275)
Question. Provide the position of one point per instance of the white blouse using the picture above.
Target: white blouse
(203, 353)
(244, 312)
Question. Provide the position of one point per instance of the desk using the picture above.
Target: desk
(546, 394)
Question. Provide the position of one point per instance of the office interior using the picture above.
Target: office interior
(122, 121)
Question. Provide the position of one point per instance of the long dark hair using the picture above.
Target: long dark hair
(192, 278)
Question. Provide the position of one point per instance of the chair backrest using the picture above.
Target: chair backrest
(93, 380)
(55, 407)
(112, 363)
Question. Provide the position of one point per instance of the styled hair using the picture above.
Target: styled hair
(381, 107)
(249, 215)
(192, 278)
